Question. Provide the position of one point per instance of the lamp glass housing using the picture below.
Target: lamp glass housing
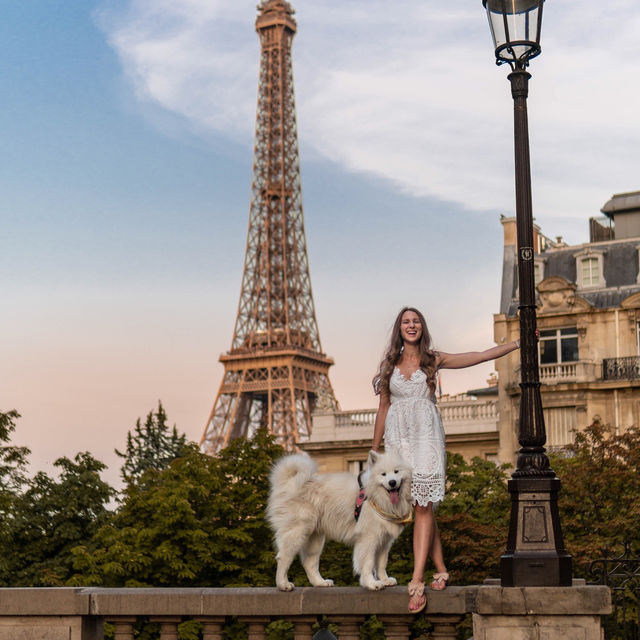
(515, 27)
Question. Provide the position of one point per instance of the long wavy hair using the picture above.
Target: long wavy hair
(394, 351)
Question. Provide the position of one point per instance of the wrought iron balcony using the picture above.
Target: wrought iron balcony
(621, 368)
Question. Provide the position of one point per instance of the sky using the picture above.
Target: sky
(126, 129)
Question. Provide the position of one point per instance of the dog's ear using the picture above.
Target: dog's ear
(373, 458)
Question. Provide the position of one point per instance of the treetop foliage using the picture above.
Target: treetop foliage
(42, 518)
(600, 497)
(199, 522)
(13, 460)
(152, 446)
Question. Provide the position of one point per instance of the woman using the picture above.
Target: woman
(410, 423)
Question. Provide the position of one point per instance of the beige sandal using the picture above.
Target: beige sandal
(440, 581)
(416, 591)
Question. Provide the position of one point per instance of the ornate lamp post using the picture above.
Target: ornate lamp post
(535, 554)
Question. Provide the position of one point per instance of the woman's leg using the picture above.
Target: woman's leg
(423, 528)
(441, 577)
(435, 553)
(422, 539)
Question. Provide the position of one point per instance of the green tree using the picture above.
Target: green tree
(50, 518)
(152, 446)
(13, 463)
(199, 522)
(599, 500)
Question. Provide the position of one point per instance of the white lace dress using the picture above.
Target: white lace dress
(414, 428)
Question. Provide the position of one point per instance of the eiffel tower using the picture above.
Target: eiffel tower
(275, 373)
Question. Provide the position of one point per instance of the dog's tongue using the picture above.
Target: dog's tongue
(394, 496)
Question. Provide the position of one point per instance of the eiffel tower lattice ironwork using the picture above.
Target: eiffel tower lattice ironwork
(275, 373)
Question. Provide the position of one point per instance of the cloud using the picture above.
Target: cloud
(408, 92)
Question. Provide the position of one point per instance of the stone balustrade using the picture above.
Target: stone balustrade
(358, 418)
(463, 408)
(454, 409)
(80, 614)
(561, 372)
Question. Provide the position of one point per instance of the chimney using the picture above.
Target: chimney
(510, 232)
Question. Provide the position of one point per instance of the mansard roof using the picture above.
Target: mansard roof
(620, 263)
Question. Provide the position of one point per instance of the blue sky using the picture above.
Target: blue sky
(126, 131)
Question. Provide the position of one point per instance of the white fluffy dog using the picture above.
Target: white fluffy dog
(305, 507)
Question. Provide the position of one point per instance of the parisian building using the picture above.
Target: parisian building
(588, 316)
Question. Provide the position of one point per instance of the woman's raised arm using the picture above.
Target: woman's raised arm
(471, 358)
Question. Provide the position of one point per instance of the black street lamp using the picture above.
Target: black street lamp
(535, 554)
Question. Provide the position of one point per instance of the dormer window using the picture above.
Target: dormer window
(589, 270)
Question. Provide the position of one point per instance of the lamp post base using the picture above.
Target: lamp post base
(535, 555)
(545, 569)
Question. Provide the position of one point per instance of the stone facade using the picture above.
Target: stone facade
(589, 322)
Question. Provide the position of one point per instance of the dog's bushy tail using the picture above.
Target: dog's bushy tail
(292, 472)
(288, 477)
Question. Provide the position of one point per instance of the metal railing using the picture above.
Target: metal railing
(621, 573)
(621, 368)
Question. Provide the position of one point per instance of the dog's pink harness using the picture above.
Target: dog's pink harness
(362, 496)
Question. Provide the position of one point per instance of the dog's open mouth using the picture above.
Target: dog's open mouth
(394, 495)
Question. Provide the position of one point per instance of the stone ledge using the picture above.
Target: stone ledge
(576, 600)
(271, 602)
(483, 599)
(34, 601)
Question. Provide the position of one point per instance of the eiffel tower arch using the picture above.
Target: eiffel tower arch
(275, 373)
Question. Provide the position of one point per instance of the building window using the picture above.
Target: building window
(589, 270)
(558, 345)
(560, 423)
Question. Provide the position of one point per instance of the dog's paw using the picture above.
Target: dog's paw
(321, 582)
(390, 582)
(373, 585)
(327, 583)
(286, 586)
